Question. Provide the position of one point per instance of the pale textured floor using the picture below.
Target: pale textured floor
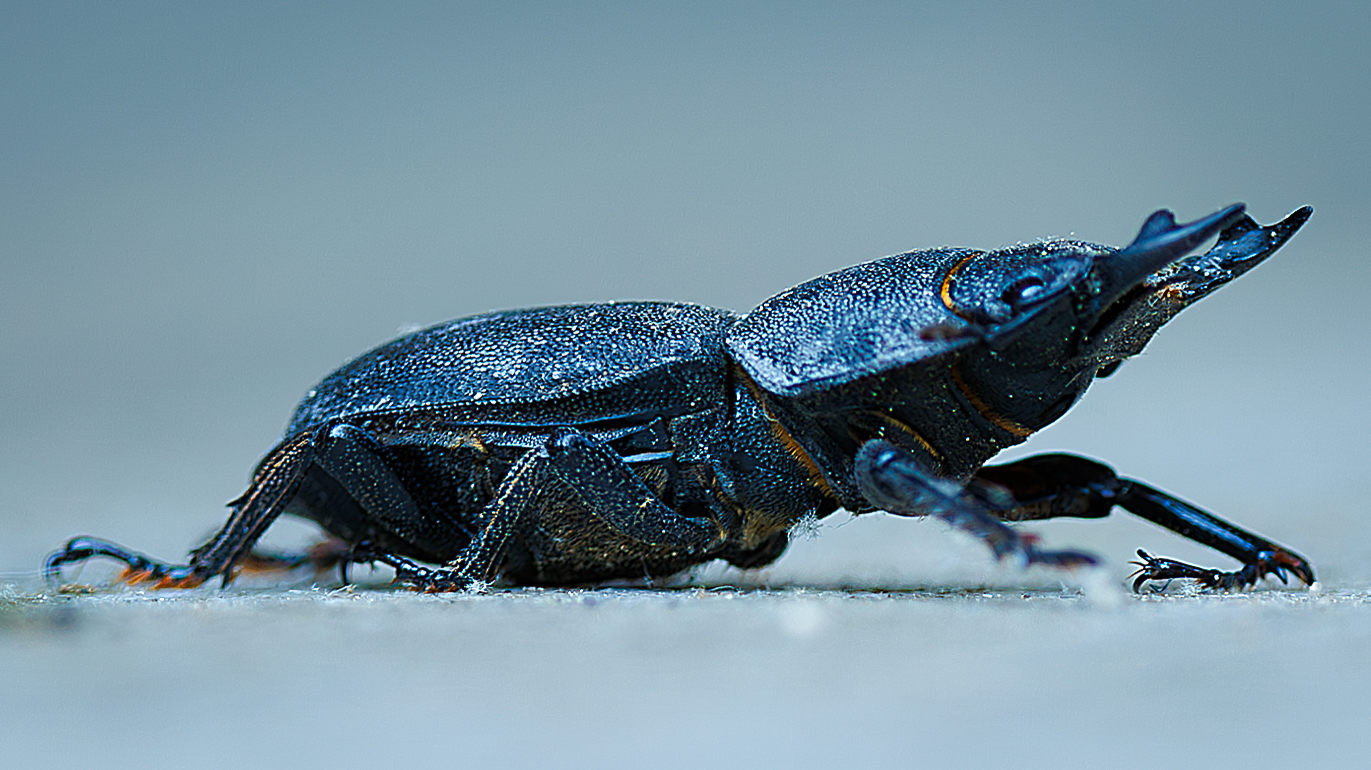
(690, 677)
(880, 642)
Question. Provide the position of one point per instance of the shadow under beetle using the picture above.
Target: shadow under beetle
(576, 444)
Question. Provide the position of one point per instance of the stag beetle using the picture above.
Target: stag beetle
(578, 444)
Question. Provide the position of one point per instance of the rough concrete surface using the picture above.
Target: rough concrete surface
(690, 677)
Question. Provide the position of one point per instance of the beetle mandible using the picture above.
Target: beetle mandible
(578, 444)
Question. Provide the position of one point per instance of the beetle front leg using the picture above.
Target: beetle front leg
(1260, 557)
(895, 481)
(1052, 485)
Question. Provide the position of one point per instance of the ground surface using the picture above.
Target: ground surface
(687, 677)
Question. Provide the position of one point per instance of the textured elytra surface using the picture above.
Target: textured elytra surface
(525, 356)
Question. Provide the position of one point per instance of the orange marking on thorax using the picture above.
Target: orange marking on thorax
(946, 290)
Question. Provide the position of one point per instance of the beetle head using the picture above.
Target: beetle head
(1054, 316)
(1016, 334)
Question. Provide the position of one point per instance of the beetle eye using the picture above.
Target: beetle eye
(995, 287)
(1023, 291)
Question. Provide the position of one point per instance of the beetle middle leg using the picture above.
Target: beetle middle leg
(355, 493)
(895, 481)
(594, 474)
(1051, 485)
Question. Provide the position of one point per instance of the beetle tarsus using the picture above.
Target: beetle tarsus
(1260, 556)
(320, 558)
(1276, 563)
(414, 575)
(138, 569)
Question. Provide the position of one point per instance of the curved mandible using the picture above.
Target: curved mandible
(1159, 243)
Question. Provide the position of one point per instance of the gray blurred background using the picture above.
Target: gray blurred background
(207, 207)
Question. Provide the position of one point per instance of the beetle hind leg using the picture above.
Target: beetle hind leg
(138, 569)
(272, 487)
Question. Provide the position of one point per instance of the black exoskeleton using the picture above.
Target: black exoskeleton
(577, 444)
